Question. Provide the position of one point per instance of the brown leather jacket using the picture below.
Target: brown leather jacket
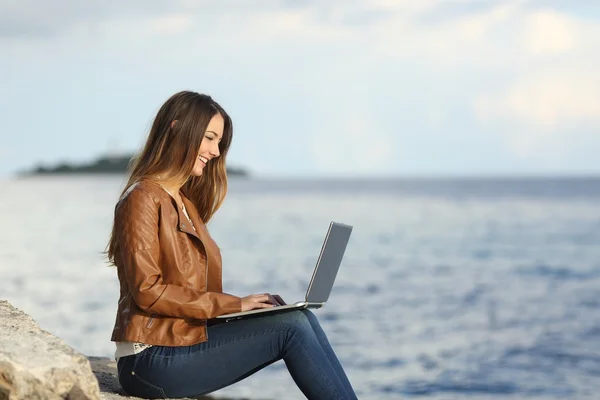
(170, 274)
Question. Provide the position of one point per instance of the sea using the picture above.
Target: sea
(449, 289)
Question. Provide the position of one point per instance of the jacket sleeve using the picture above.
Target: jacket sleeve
(136, 229)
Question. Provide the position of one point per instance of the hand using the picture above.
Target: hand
(279, 300)
(255, 301)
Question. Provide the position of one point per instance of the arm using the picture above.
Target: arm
(136, 223)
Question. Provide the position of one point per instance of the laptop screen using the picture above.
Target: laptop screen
(328, 262)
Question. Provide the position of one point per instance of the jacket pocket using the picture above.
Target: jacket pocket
(142, 388)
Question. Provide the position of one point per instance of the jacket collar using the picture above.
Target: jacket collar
(183, 223)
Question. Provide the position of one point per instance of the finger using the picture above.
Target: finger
(273, 300)
(262, 305)
(279, 299)
(270, 299)
(262, 298)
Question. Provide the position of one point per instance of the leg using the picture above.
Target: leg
(322, 338)
(234, 351)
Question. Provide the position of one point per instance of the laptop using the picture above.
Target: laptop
(323, 275)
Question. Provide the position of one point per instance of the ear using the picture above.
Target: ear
(173, 123)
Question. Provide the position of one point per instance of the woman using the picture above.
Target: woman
(169, 268)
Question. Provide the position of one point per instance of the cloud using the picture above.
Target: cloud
(543, 115)
(411, 71)
(551, 98)
(548, 101)
(33, 18)
(356, 143)
(550, 32)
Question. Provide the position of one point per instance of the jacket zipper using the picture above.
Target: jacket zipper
(152, 318)
(206, 288)
(206, 270)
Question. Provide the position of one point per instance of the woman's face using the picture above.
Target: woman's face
(209, 148)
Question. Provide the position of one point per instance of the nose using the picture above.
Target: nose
(214, 151)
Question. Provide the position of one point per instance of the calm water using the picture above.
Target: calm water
(449, 289)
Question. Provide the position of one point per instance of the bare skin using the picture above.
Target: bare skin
(209, 149)
(264, 300)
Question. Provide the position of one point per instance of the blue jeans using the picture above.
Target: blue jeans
(236, 350)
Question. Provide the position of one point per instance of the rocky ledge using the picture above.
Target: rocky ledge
(35, 364)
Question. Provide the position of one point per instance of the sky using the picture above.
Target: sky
(388, 88)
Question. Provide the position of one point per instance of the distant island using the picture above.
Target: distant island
(103, 165)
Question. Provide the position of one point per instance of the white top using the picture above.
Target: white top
(128, 348)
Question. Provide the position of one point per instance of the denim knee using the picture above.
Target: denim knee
(308, 314)
(295, 320)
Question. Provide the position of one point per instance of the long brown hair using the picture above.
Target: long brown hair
(171, 150)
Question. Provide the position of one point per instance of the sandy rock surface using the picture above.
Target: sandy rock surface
(35, 364)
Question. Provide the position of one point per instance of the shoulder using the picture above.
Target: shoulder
(142, 194)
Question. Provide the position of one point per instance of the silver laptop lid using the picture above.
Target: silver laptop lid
(328, 262)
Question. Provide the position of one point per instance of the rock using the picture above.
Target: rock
(105, 370)
(35, 364)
